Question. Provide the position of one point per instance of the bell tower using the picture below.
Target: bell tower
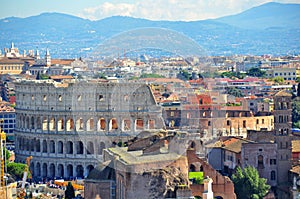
(283, 134)
(48, 58)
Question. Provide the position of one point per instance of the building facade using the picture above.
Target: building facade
(60, 124)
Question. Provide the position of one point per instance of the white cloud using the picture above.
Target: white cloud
(187, 10)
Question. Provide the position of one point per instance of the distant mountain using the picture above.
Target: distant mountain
(271, 28)
(269, 15)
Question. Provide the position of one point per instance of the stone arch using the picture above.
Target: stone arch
(89, 168)
(44, 170)
(52, 124)
(32, 145)
(126, 125)
(100, 148)
(192, 168)
(79, 147)
(69, 147)
(90, 148)
(90, 126)
(70, 170)
(79, 171)
(38, 169)
(52, 170)
(52, 146)
(113, 124)
(79, 124)
(38, 123)
(31, 169)
(60, 170)
(70, 124)
(139, 124)
(60, 147)
(192, 145)
(32, 123)
(45, 123)
(260, 161)
(151, 124)
(101, 124)
(60, 124)
(44, 146)
(27, 123)
(37, 145)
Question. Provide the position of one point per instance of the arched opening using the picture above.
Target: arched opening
(44, 146)
(45, 124)
(70, 170)
(201, 168)
(218, 197)
(89, 168)
(79, 171)
(60, 147)
(79, 147)
(70, 124)
(90, 147)
(38, 123)
(27, 122)
(38, 169)
(101, 125)
(60, 124)
(32, 123)
(52, 170)
(52, 124)
(69, 147)
(151, 124)
(79, 124)
(139, 124)
(192, 168)
(52, 146)
(273, 175)
(126, 125)
(100, 148)
(32, 145)
(90, 125)
(192, 145)
(45, 170)
(260, 162)
(32, 169)
(113, 124)
(60, 170)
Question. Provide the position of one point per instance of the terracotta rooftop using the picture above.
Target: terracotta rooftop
(6, 60)
(295, 146)
(62, 61)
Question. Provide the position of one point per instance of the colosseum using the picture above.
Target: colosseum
(65, 125)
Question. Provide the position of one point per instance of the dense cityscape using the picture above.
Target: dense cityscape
(149, 114)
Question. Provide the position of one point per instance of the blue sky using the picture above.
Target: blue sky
(185, 10)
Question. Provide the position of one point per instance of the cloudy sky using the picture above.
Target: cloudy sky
(184, 10)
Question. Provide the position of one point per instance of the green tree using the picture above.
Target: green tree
(145, 75)
(234, 91)
(184, 75)
(278, 79)
(256, 72)
(70, 192)
(16, 169)
(296, 113)
(248, 184)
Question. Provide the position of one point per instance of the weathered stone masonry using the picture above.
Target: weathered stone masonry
(65, 126)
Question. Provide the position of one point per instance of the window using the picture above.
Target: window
(272, 161)
(79, 98)
(228, 122)
(209, 123)
(45, 98)
(59, 98)
(263, 121)
(244, 124)
(101, 98)
(257, 121)
(172, 114)
(32, 97)
(273, 175)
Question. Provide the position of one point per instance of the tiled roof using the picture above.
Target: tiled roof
(62, 61)
(61, 77)
(295, 146)
(6, 60)
(283, 93)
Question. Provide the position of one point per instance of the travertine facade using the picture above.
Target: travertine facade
(62, 124)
